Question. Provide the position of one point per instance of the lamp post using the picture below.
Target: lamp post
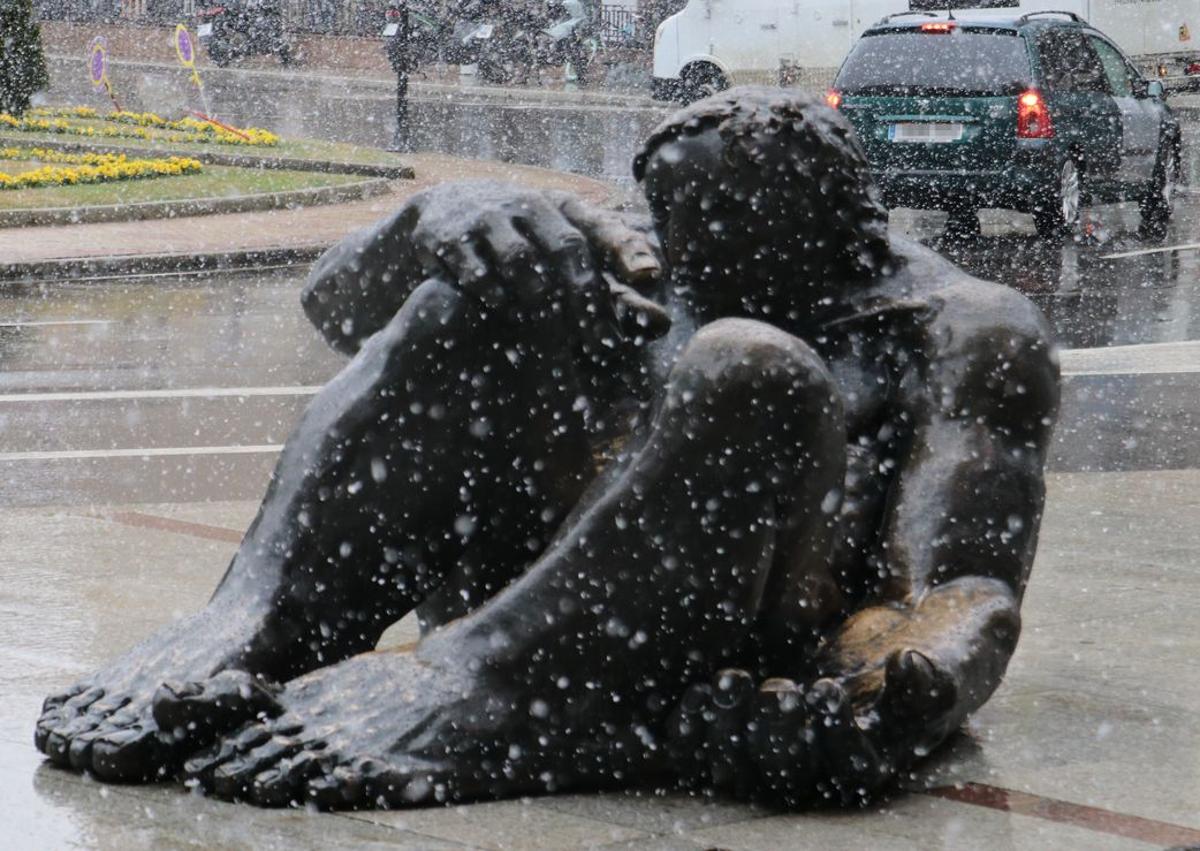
(399, 51)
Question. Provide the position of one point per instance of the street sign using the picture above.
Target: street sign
(98, 68)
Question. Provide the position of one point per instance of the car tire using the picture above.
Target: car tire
(963, 225)
(1058, 212)
(700, 81)
(1159, 202)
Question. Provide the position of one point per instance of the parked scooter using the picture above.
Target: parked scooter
(535, 34)
(235, 29)
(569, 38)
(456, 37)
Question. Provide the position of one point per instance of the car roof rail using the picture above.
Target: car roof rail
(1069, 15)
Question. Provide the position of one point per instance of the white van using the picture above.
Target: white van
(713, 44)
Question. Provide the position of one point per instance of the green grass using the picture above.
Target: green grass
(307, 149)
(213, 182)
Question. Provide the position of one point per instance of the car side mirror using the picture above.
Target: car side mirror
(1155, 89)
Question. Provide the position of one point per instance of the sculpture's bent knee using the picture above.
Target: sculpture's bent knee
(766, 371)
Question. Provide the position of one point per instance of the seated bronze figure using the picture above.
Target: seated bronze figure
(744, 499)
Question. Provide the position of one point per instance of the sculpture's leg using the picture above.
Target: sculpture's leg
(446, 429)
(565, 677)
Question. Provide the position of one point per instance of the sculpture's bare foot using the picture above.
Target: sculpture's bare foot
(105, 724)
(378, 730)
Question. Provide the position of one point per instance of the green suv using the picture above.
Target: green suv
(1039, 113)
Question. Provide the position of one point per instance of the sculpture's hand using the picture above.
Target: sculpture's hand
(517, 247)
(781, 742)
(507, 246)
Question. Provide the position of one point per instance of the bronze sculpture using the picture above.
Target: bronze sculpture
(746, 502)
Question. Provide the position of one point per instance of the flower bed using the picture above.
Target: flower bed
(74, 121)
(62, 169)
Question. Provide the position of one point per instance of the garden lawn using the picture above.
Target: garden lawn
(305, 149)
(213, 182)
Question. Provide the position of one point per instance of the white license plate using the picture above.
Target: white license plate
(934, 132)
(204, 30)
(390, 30)
(484, 31)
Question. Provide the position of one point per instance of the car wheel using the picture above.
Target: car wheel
(1159, 203)
(1058, 213)
(700, 81)
(963, 225)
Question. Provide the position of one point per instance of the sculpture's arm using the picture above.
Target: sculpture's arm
(961, 533)
(496, 241)
(959, 539)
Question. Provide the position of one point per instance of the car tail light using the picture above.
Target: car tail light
(937, 27)
(392, 14)
(833, 98)
(1033, 117)
(1193, 68)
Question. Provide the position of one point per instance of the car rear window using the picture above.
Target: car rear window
(910, 61)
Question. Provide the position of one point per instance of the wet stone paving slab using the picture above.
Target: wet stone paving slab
(141, 420)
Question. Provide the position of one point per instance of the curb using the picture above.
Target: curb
(387, 172)
(146, 210)
(47, 271)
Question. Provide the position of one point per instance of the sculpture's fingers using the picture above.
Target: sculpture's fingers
(628, 252)
(780, 743)
(916, 690)
(728, 758)
(468, 268)
(687, 731)
(518, 269)
(637, 315)
(588, 301)
(850, 768)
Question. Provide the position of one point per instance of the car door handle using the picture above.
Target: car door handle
(770, 26)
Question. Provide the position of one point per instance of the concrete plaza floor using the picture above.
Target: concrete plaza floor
(1092, 742)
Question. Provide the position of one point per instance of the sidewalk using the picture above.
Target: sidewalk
(1089, 743)
(306, 227)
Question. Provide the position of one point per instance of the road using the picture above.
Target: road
(182, 389)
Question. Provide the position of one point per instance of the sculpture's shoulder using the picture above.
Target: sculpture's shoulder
(980, 343)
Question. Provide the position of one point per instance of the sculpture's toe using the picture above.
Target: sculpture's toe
(285, 785)
(202, 767)
(235, 779)
(197, 713)
(62, 722)
(56, 700)
(131, 754)
(366, 783)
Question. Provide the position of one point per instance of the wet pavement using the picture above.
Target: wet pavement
(140, 420)
(140, 417)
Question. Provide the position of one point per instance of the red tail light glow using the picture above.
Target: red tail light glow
(833, 98)
(937, 27)
(1033, 117)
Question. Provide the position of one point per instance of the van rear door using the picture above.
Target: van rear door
(749, 37)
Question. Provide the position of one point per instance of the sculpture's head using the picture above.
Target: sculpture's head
(763, 201)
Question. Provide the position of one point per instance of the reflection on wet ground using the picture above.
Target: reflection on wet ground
(1108, 289)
